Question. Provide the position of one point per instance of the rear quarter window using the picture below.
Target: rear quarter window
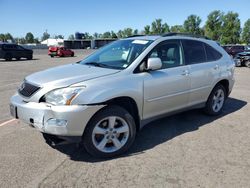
(212, 54)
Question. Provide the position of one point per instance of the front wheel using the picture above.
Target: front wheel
(247, 64)
(110, 132)
(216, 100)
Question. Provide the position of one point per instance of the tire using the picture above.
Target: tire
(30, 57)
(247, 64)
(8, 57)
(109, 133)
(18, 58)
(72, 55)
(51, 56)
(216, 100)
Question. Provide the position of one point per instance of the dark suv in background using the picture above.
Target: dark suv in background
(234, 49)
(10, 51)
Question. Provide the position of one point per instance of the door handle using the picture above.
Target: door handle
(185, 73)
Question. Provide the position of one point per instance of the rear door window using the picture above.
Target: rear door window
(194, 51)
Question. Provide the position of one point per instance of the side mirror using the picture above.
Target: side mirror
(153, 63)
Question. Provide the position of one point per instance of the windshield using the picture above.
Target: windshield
(117, 55)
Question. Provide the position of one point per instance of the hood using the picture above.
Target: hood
(66, 75)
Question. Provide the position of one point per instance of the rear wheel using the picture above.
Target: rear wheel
(72, 55)
(247, 64)
(216, 100)
(110, 132)
(8, 57)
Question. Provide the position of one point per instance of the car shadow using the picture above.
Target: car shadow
(14, 60)
(159, 131)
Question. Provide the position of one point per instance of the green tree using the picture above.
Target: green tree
(2, 37)
(21, 40)
(120, 34)
(158, 28)
(45, 36)
(36, 40)
(192, 25)
(177, 29)
(113, 35)
(87, 36)
(106, 35)
(29, 38)
(71, 37)
(59, 37)
(147, 30)
(8, 36)
(213, 25)
(135, 32)
(246, 32)
(96, 35)
(230, 28)
(127, 32)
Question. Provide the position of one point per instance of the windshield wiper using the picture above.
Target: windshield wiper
(102, 65)
(97, 64)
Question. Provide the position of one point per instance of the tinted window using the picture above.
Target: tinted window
(194, 52)
(212, 54)
(20, 48)
(9, 46)
(169, 53)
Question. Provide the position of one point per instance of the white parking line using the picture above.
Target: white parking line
(7, 122)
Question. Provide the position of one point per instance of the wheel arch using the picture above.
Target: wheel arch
(225, 84)
(128, 104)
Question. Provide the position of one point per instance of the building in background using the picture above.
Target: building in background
(78, 43)
(53, 42)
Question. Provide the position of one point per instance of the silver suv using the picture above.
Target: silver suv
(105, 99)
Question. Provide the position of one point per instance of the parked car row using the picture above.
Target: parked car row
(60, 52)
(233, 50)
(10, 51)
(242, 59)
(240, 54)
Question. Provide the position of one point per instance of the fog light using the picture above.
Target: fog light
(57, 122)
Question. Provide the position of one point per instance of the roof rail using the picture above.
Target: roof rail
(184, 34)
(135, 36)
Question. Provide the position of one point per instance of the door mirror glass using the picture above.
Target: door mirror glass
(153, 63)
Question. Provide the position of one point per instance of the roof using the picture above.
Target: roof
(144, 37)
(168, 35)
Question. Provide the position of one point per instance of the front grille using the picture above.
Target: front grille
(27, 89)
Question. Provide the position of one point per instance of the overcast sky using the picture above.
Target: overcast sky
(66, 17)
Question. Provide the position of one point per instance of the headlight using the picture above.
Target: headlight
(62, 96)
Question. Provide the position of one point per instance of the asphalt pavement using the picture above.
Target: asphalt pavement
(185, 150)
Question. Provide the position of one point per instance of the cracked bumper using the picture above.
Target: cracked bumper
(48, 118)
